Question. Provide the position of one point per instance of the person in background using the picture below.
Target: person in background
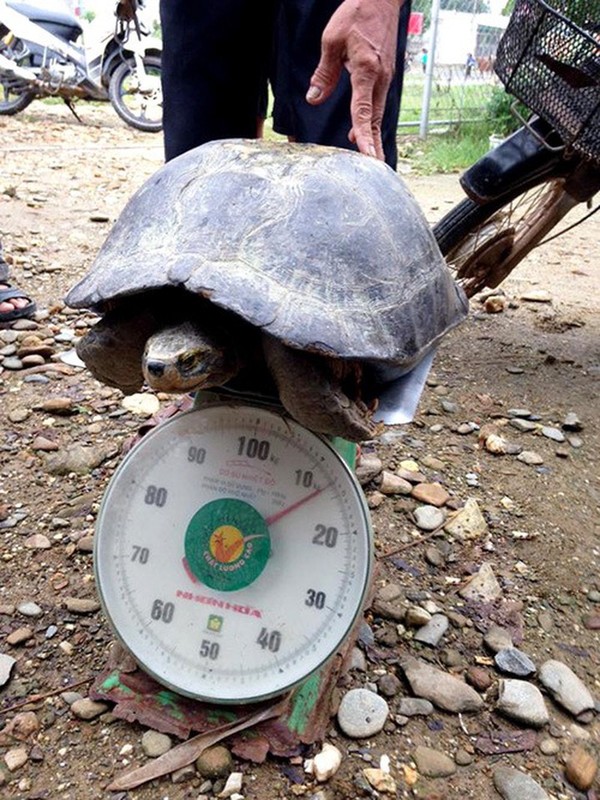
(335, 69)
(424, 55)
(470, 63)
(14, 303)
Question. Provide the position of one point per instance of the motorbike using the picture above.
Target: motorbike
(522, 189)
(45, 51)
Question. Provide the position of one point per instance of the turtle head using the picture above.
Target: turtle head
(184, 357)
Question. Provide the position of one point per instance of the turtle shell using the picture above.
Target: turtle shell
(323, 248)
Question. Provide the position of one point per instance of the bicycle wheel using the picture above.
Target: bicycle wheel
(484, 243)
(138, 105)
(14, 95)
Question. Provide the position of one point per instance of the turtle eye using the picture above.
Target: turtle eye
(187, 361)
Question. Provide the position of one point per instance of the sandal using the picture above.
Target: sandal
(10, 293)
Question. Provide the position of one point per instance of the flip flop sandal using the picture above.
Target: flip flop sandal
(10, 293)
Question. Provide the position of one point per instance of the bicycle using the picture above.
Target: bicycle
(519, 191)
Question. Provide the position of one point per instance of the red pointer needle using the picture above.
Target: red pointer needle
(279, 514)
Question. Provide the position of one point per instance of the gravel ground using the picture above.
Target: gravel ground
(507, 430)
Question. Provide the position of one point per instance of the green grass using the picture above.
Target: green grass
(448, 152)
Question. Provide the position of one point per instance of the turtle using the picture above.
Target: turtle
(296, 271)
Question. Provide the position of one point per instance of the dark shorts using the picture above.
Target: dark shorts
(218, 56)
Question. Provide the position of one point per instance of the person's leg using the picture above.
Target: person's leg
(14, 304)
(300, 27)
(214, 69)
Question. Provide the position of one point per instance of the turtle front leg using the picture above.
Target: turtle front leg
(112, 350)
(310, 389)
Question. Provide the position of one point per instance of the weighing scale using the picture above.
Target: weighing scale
(233, 552)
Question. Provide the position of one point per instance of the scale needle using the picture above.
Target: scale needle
(279, 514)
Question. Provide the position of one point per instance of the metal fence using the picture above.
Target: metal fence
(449, 77)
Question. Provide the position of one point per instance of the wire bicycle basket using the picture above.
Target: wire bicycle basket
(549, 58)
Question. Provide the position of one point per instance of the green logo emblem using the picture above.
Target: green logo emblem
(227, 544)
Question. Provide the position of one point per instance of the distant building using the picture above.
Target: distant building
(460, 34)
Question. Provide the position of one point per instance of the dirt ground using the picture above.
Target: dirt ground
(62, 186)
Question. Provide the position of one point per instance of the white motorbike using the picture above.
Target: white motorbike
(46, 52)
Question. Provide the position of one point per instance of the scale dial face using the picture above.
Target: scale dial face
(233, 553)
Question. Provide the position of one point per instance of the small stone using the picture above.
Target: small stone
(6, 664)
(434, 556)
(326, 763)
(416, 617)
(88, 709)
(432, 632)
(483, 586)
(15, 758)
(449, 406)
(530, 457)
(82, 605)
(428, 518)
(38, 541)
(553, 433)
(215, 762)
(392, 484)
(592, 622)
(380, 780)
(29, 609)
(389, 592)
(415, 707)
(44, 445)
(362, 713)
(155, 744)
(513, 784)
(523, 702)
(141, 405)
(514, 662)
(432, 763)
(468, 522)
(494, 304)
(368, 468)
(183, 774)
(58, 405)
(233, 785)
(495, 444)
(463, 758)
(497, 638)
(581, 769)
(479, 678)
(549, 747)
(572, 422)
(19, 415)
(442, 689)
(389, 685)
(22, 726)
(524, 425)
(20, 636)
(566, 688)
(433, 494)
(537, 296)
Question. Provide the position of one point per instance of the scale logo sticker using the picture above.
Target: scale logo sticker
(227, 544)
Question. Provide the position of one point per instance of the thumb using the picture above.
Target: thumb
(326, 76)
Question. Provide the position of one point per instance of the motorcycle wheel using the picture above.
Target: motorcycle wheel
(482, 244)
(141, 110)
(14, 96)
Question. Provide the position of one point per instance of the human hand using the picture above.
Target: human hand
(126, 9)
(361, 36)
